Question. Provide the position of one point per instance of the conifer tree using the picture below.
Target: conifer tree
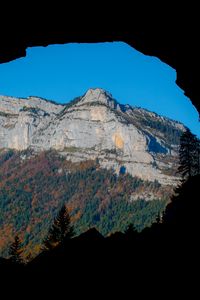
(15, 251)
(197, 156)
(188, 155)
(60, 230)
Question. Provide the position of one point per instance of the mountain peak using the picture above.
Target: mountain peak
(97, 95)
(93, 126)
(97, 92)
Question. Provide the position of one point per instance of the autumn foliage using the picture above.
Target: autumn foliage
(34, 186)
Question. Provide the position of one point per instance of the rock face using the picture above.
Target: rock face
(94, 126)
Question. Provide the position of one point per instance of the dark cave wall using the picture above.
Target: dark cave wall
(171, 39)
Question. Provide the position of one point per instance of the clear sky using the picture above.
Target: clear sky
(63, 72)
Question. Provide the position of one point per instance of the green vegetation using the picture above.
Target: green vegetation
(5, 156)
(34, 110)
(189, 155)
(171, 134)
(60, 231)
(33, 190)
(7, 115)
(72, 149)
(68, 105)
(119, 213)
(15, 251)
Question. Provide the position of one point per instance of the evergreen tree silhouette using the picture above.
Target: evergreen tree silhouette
(60, 230)
(197, 156)
(188, 155)
(15, 251)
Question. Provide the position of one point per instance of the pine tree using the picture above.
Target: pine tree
(60, 230)
(188, 154)
(15, 251)
(197, 156)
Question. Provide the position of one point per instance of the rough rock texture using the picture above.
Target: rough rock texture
(93, 126)
(21, 119)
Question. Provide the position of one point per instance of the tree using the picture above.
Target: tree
(60, 231)
(197, 156)
(188, 155)
(15, 251)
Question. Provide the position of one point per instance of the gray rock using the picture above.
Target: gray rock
(96, 126)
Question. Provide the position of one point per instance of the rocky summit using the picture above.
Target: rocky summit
(94, 126)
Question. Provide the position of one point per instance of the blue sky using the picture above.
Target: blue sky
(63, 72)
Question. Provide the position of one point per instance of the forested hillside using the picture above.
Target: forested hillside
(33, 187)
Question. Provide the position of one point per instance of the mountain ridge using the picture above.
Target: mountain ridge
(110, 164)
(93, 126)
(70, 102)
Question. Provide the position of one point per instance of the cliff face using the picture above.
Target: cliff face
(94, 126)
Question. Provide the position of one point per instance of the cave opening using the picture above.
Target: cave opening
(140, 92)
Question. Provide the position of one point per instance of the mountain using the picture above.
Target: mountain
(110, 164)
(93, 126)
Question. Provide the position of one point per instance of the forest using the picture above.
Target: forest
(33, 187)
(47, 201)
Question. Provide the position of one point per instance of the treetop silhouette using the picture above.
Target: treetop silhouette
(15, 251)
(60, 231)
(189, 155)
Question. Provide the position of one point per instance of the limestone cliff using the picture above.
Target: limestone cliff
(94, 126)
